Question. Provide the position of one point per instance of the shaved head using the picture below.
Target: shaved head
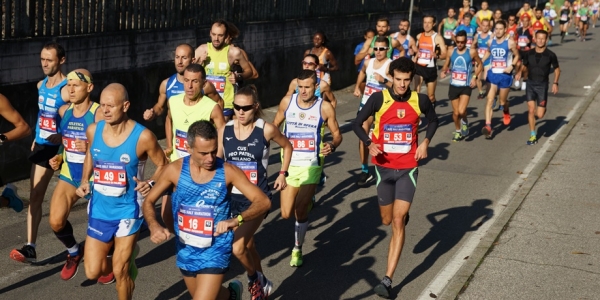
(116, 91)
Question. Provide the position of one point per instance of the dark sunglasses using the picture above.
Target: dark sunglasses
(460, 42)
(310, 63)
(244, 108)
(380, 48)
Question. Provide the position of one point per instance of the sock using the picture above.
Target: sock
(463, 121)
(365, 168)
(74, 251)
(386, 281)
(65, 235)
(31, 244)
(488, 124)
(253, 277)
(533, 133)
(300, 233)
(458, 130)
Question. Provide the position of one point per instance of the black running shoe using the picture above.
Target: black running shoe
(25, 254)
(364, 178)
(384, 288)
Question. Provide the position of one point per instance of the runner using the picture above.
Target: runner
(462, 82)
(549, 15)
(504, 59)
(51, 96)
(116, 157)
(483, 14)
(540, 62)
(430, 49)
(375, 71)
(481, 44)
(245, 142)
(310, 62)
(201, 206)
(382, 27)
(595, 6)
(76, 117)
(585, 13)
(466, 28)
(497, 17)
(565, 18)
(396, 153)
(525, 11)
(540, 22)
(524, 40)
(369, 33)
(447, 27)
(575, 11)
(408, 42)
(10, 197)
(511, 30)
(305, 116)
(327, 60)
(473, 24)
(217, 57)
(463, 10)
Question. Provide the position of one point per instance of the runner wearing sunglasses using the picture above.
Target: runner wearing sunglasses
(311, 62)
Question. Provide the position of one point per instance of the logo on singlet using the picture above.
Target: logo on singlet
(302, 116)
(401, 113)
(498, 52)
(125, 158)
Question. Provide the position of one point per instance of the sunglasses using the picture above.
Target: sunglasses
(308, 63)
(380, 48)
(244, 108)
(460, 42)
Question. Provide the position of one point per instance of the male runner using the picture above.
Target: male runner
(9, 197)
(497, 17)
(525, 11)
(117, 152)
(466, 27)
(565, 18)
(396, 153)
(369, 33)
(549, 15)
(447, 26)
(481, 44)
(430, 49)
(76, 117)
(464, 10)
(217, 57)
(375, 71)
(504, 56)
(483, 14)
(462, 82)
(383, 27)
(408, 42)
(310, 62)
(305, 116)
(540, 22)
(540, 61)
(524, 39)
(511, 29)
(51, 96)
(201, 208)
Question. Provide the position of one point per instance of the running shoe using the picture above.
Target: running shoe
(256, 290)
(323, 179)
(487, 131)
(481, 96)
(266, 284)
(14, 201)
(235, 290)
(133, 270)
(464, 128)
(506, 116)
(71, 265)
(384, 288)
(457, 137)
(108, 279)
(296, 260)
(364, 178)
(532, 140)
(562, 39)
(517, 83)
(523, 86)
(25, 254)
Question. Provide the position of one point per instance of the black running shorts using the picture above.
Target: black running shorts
(41, 154)
(537, 92)
(428, 74)
(396, 184)
(455, 91)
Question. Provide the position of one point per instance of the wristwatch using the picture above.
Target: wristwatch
(3, 138)
(331, 146)
(151, 183)
(284, 173)
(368, 143)
(240, 220)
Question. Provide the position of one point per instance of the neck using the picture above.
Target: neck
(428, 33)
(117, 129)
(179, 77)
(56, 78)
(540, 49)
(83, 105)
(248, 126)
(192, 101)
(408, 91)
(309, 100)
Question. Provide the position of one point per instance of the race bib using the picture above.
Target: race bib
(481, 52)
(469, 41)
(218, 82)
(304, 145)
(498, 66)
(397, 138)
(564, 17)
(424, 57)
(370, 89)
(71, 153)
(250, 168)
(459, 78)
(522, 41)
(196, 225)
(584, 18)
(47, 123)
(181, 143)
(448, 34)
(110, 178)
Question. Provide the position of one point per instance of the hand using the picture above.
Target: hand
(231, 77)
(55, 162)
(81, 145)
(421, 152)
(508, 70)
(280, 183)
(54, 139)
(159, 234)
(203, 57)
(357, 92)
(443, 74)
(473, 82)
(371, 52)
(327, 149)
(149, 114)
(225, 226)
(142, 187)
(83, 189)
(168, 152)
(554, 89)
(518, 76)
(378, 77)
(374, 150)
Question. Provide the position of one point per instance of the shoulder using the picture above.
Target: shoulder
(147, 137)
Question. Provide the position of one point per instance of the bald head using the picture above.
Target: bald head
(116, 91)
(114, 103)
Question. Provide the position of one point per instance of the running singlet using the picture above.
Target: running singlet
(217, 71)
(485, 15)
(524, 38)
(174, 87)
(528, 14)
(584, 13)
(184, 116)
(538, 25)
(74, 128)
(426, 55)
(405, 45)
(501, 56)
(482, 48)
(470, 33)
(448, 28)
(304, 128)
(462, 68)
(512, 32)
(564, 14)
(389, 52)
(49, 101)
(372, 86)
(395, 130)
(114, 197)
(323, 60)
(250, 155)
(197, 209)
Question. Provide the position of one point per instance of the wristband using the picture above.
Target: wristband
(556, 83)
(240, 220)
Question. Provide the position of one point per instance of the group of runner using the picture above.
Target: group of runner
(212, 177)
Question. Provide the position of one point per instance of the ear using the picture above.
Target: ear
(126, 105)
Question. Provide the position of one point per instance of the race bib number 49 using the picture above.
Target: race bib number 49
(110, 178)
(195, 224)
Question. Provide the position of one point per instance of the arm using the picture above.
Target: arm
(235, 53)
(554, 64)
(328, 94)
(328, 113)
(361, 77)
(211, 92)
(159, 107)
(412, 46)
(201, 54)
(159, 234)
(216, 116)
(148, 144)
(516, 57)
(364, 52)
(169, 132)
(372, 105)
(220, 151)
(432, 124)
(272, 133)
(397, 45)
(254, 71)
(439, 40)
(8, 112)
(64, 93)
(280, 115)
(446, 66)
(88, 164)
(441, 26)
(292, 87)
(478, 68)
(333, 66)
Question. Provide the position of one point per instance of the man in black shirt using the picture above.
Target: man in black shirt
(539, 62)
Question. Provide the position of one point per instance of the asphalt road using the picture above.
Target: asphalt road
(460, 187)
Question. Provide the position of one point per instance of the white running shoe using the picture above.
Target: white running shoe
(523, 86)
(517, 84)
